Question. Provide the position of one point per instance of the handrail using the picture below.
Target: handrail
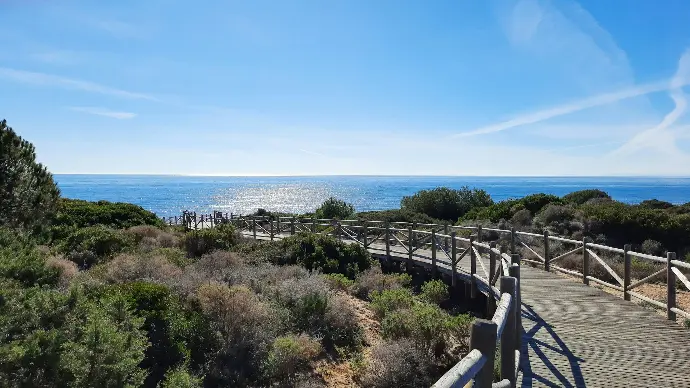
(503, 303)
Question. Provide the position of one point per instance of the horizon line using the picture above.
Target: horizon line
(376, 175)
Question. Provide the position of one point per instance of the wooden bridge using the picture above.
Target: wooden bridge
(553, 326)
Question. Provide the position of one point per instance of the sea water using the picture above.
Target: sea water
(169, 195)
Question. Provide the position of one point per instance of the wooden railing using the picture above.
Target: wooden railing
(443, 247)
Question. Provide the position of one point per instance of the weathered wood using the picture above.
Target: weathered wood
(445, 239)
(509, 335)
(479, 233)
(567, 271)
(533, 251)
(648, 278)
(433, 253)
(463, 372)
(547, 263)
(514, 271)
(585, 261)
(603, 283)
(627, 261)
(606, 267)
(576, 250)
(254, 227)
(388, 241)
(647, 299)
(680, 276)
(410, 244)
(453, 259)
(670, 287)
(512, 240)
(483, 338)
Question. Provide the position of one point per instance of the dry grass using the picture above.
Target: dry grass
(375, 280)
(396, 364)
(149, 238)
(68, 269)
(128, 268)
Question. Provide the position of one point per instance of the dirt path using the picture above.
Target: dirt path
(340, 374)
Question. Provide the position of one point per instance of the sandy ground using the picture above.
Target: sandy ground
(340, 374)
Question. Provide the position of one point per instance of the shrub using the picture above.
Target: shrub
(67, 269)
(335, 208)
(652, 247)
(397, 215)
(396, 364)
(79, 213)
(522, 217)
(245, 326)
(28, 194)
(101, 241)
(290, 355)
(180, 378)
(22, 261)
(151, 237)
(375, 280)
(173, 255)
(326, 254)
(127, 268)
(555, 214)
(435, 291)
(387, 301)
(342, 331)
(199, 242)
(338, 281)
(446, 204)
(506, 209)
(656, 204)
(582, 196)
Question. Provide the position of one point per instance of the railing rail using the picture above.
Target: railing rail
(441, 247)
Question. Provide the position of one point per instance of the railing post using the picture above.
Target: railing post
(278, 224)
(585, 262)
(388, 240)
(627, 261)
(508, 337)
(292, 225)
(512, 240)
(473, 268)
(483, 338)
(365, 237)
(514, 271)
(670, 287)
(254, 227)
(453, 261)
(490, 301)
(433, 252)
(313, 225)
(410, 243)
(547, 258)
(445, 239)
(479, 233)
(270, 230)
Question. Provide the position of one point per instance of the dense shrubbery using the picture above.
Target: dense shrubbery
(446, 204)
(335, 208)
(508, 208)
(326, 254)
(582, 196)
(397, 215)
(199, 242)
(20, 260)
(78, 213)
(91, 245)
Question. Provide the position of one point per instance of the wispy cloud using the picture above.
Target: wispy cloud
(43, 79)
(659, 136)
(103, 112)
(591, 102)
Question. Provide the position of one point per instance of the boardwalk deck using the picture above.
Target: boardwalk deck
(580, 336)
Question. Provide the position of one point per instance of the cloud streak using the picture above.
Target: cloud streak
(103, 112)
(43, 79)
(587, 103)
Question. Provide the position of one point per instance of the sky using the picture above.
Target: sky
(320, 87)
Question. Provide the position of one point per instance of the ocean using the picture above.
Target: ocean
(169, 195)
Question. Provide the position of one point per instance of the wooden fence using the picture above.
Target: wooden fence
(442, 247)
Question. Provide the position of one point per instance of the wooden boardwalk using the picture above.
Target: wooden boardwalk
(580, 336)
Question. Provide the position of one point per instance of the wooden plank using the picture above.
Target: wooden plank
(603, 283)
(576, 250)
(567, 271)
(606, 266)
(532, 250)
(463, 372)
(648, 278)
(681, 277)
(648, 300)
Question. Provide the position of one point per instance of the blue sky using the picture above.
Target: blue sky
(505, 87)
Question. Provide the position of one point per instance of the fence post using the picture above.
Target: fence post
(508, 337)
(445, 239)
(270, 224)
(292, 225)
(585, 262)
(365, 237)
(626, 274)
(433, 253)
(313, 225)
(483, 338)
(670, 287)
(277, 224)
(473, 268)
(453, 261)
(410, 243)
(490, 301)
(479, 233)
(514, 271)
(547, 258)
(254, 227)
(388, 240)
(512, 240)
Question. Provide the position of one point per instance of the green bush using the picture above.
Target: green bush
(555, 214)
(101, 241)
(508, 208)
(582, 196)
(435, 291)
(655, 204)
(290, 355)
(48, 338)
(202, 241)
(387, 301)
(325, 254)
(79, 213)
(181, 378)
(22, 261)
(338, 281)
(374, 279)
(401, 363)
(446, 204)
(335, 208)
(397, 215)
